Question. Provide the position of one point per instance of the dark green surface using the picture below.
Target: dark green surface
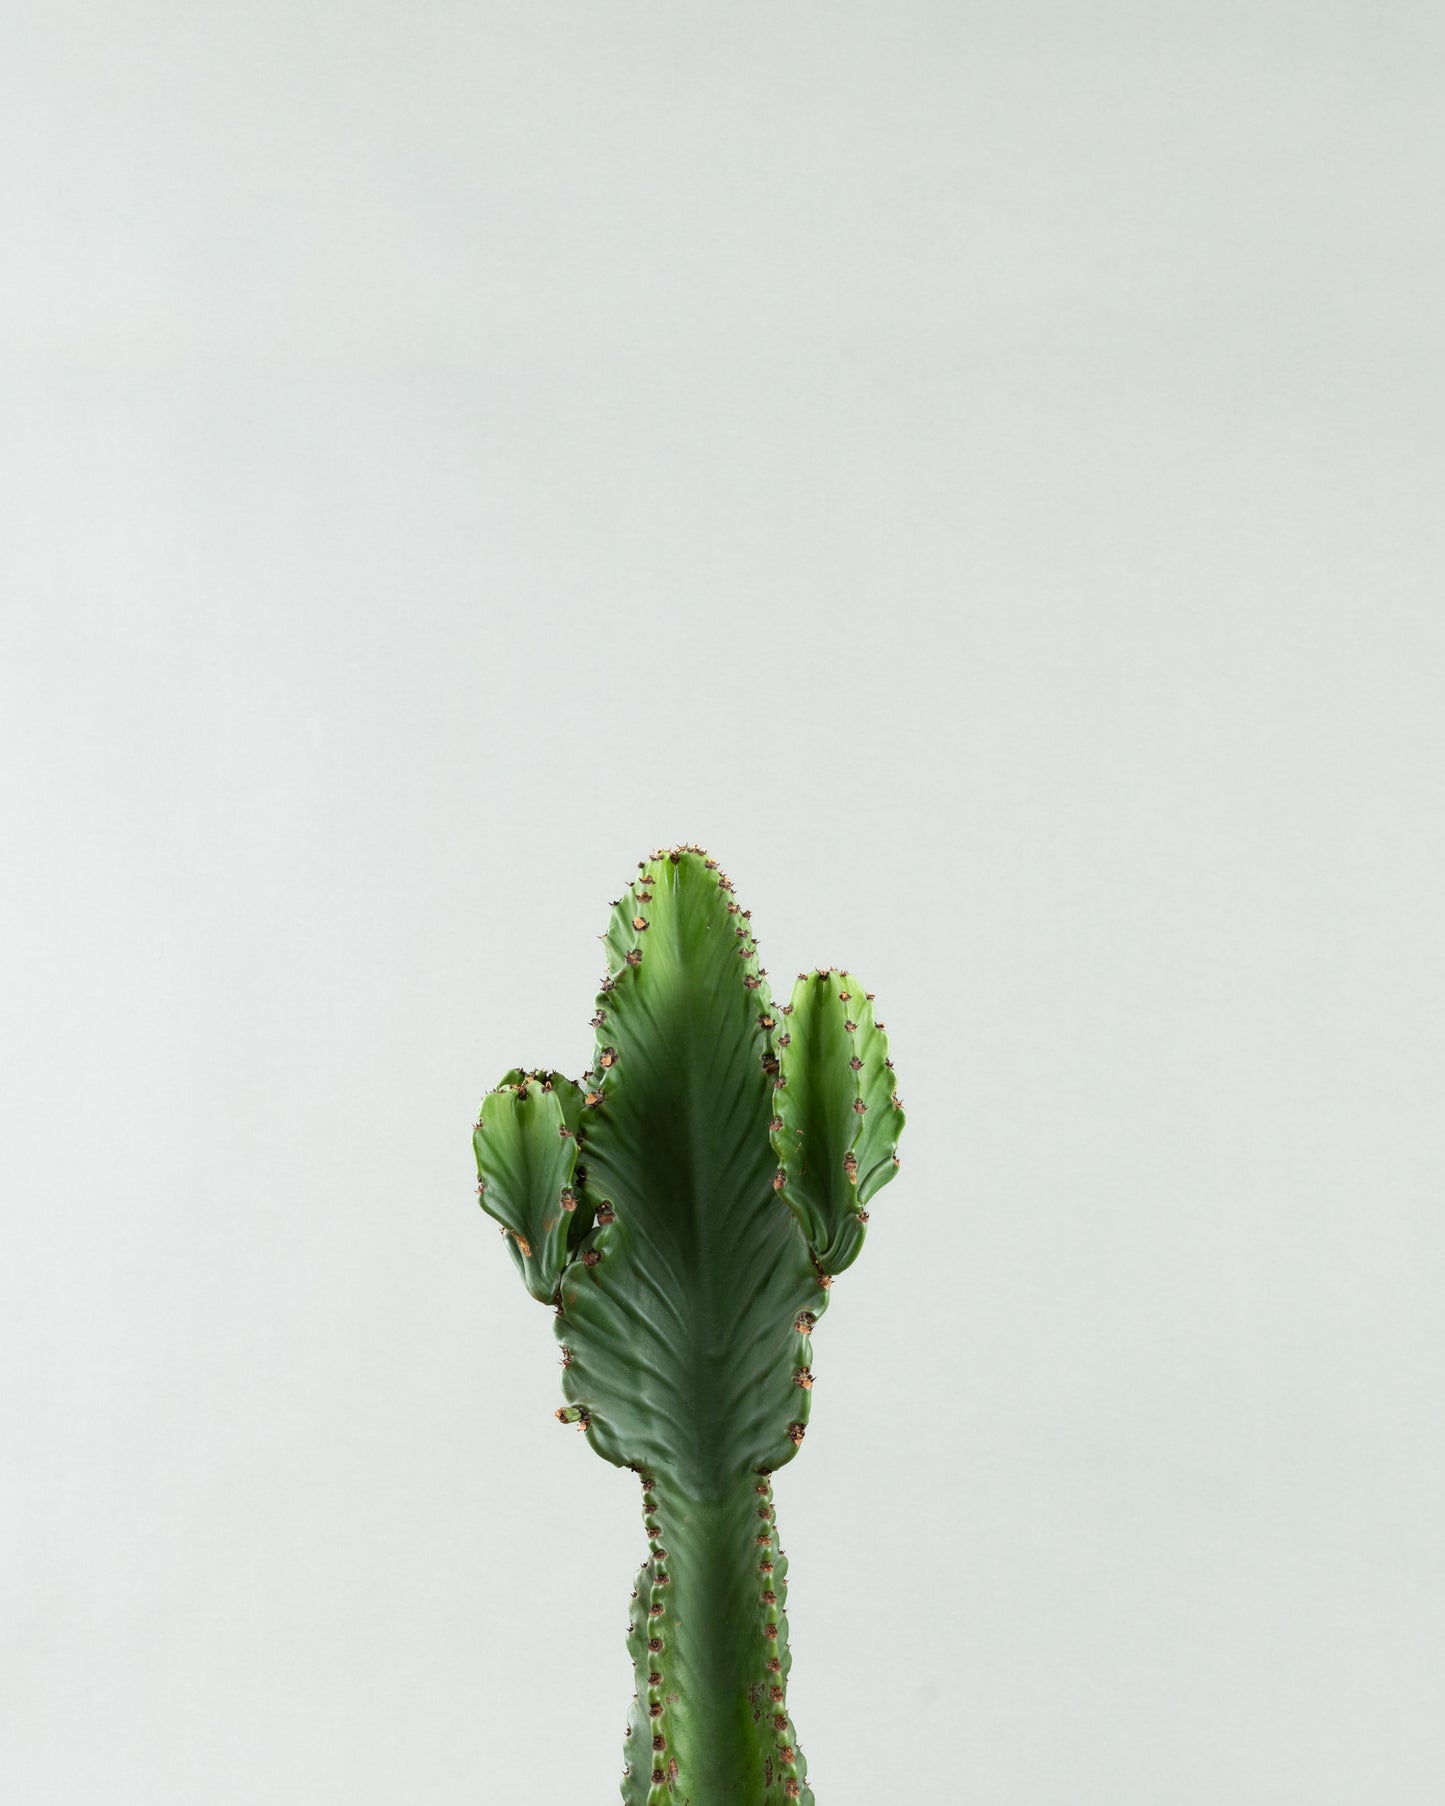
(717, 1164)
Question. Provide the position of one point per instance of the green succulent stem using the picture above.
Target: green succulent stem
(684, 1208)
(708, 1635)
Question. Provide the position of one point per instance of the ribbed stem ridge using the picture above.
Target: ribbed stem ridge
(708, 1637)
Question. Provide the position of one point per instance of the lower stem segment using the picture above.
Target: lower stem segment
(709, 1642)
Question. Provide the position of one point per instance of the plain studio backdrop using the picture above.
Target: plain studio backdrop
(978, 469)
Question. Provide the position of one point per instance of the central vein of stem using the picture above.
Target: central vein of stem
(709, 1641)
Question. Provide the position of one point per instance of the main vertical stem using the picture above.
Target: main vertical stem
(709, 1641)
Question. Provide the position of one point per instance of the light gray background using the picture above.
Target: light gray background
(978, 469)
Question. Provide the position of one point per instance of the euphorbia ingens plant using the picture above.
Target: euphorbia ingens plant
(684, 1210)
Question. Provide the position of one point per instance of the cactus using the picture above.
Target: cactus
(685, 1209)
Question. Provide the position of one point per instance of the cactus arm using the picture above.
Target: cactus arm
(525, 1141)
(838, 1117)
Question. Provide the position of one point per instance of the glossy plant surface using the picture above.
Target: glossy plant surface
(684, 1209)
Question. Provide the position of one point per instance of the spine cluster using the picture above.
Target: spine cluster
(786, 1767)
(651, 1768)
